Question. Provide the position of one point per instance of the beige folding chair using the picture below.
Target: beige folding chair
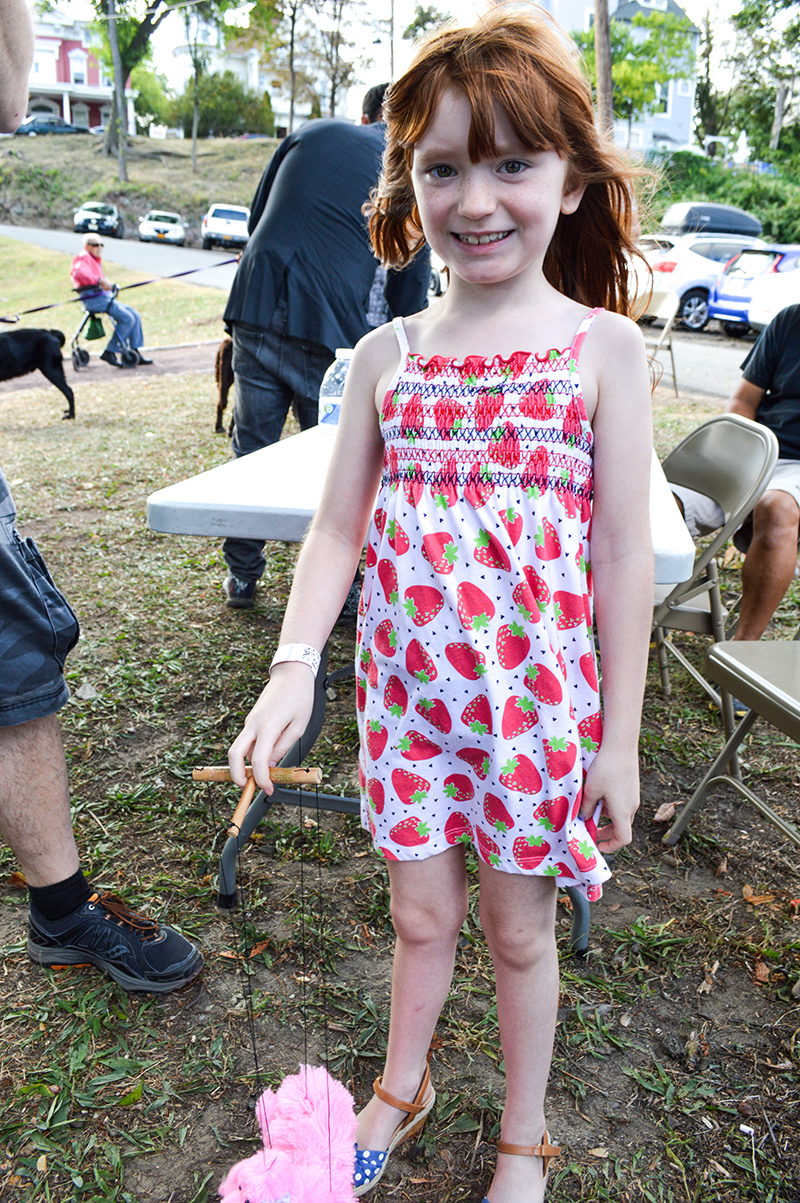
(662, 306)
(765, 675)
(729, 459)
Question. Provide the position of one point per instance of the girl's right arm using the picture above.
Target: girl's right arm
(326, 565)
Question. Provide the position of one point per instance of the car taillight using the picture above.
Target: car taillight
(664, 265)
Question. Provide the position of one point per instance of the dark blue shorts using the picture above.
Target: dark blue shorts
(37, 627)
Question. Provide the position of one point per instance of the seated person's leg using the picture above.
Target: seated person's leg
(772, 555)
(701, 515)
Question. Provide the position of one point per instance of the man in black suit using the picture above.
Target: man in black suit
(302, 289)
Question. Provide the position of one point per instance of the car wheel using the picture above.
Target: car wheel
(735, 329)
(207, 244)
(694, 309)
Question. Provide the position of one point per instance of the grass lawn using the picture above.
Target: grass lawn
(680, 1027)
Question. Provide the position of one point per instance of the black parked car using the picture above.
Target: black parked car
(48, 123)
(100, 218)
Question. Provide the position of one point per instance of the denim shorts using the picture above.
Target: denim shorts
(37, 627)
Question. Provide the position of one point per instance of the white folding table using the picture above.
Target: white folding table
(274, 493)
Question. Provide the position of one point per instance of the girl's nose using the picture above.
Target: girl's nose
(476, 195)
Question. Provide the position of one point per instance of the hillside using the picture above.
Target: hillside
(44, 179)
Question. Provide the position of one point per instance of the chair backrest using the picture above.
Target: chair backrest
(729, 459)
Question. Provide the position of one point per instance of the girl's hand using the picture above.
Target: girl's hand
(613, 781)
(276, 722)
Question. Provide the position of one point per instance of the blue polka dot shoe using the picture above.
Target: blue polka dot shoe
(545, 1150)
(370, 1164)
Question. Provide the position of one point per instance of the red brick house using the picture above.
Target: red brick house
(66, 77)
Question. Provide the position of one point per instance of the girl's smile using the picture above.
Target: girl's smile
(494, 219)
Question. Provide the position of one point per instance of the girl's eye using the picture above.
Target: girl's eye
(513, 167)
(441, 172)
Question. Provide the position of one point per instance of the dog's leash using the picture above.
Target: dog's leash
(141, 283)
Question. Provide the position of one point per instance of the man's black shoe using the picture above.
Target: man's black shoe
(141, 357)
(137, 952)
(110, 357)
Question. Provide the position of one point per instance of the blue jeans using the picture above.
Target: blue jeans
(271, 372)
(126, 319)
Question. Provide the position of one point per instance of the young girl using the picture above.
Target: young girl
(506, 432)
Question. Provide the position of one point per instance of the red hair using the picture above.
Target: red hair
(521, 62)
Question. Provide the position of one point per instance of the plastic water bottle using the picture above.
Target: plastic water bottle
(332, 387)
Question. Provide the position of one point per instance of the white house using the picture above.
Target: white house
(66, 77)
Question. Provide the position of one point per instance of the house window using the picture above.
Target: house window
(684, 87)
(77, 68)
(662, 105)
(661, 5)
(78, 77)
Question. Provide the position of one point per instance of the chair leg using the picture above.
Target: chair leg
(722, 760)
(663, 661)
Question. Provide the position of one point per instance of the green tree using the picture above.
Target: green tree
(768, 37)
(151, 102)
(426, 17)
(646, 53)
(711, 106)
(225, 108)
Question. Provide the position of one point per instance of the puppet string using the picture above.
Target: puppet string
(242, 957)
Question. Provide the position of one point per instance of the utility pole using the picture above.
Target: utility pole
(602, 57)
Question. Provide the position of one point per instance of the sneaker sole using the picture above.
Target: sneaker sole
(236, 603)
(56, 957)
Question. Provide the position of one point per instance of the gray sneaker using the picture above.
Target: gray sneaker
(137, 952)
(239, 594)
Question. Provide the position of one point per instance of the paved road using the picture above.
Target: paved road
(216, 269)
(706, 363)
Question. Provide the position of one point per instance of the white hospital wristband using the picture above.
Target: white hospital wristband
(302, 652)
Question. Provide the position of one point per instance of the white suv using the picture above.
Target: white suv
(225, 224)
(690, 265)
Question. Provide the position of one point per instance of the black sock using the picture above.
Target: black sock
(59, 900)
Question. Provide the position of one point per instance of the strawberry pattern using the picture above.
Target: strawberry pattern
(477, 690)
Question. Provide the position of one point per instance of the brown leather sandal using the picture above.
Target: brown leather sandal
(545, 1150)
(369, 1164)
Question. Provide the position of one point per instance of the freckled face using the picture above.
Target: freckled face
(492, 220)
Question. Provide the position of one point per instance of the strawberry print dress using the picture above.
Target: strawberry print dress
(477, 691)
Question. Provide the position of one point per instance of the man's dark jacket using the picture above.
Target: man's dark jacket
(309, 239)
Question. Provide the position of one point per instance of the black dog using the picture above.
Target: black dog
(23, 351)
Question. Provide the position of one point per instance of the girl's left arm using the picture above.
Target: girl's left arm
(622, 567)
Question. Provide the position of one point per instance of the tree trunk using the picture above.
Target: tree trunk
(119, 92)
(292, 71)
(195, 117)
(781, 97)
(602, 54)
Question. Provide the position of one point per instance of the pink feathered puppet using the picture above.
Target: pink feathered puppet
(308, 1127)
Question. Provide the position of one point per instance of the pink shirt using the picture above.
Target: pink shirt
(85, 270)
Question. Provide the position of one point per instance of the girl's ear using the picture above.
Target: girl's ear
(571, 199)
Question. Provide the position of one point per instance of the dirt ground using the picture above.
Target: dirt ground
(675, 1076)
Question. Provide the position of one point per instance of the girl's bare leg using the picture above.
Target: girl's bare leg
(518, 917)
(429, 903)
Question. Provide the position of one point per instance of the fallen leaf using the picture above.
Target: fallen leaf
(722, 867)
(664, 813)
(710, 981)
(601, 1152)
(17, 881)
(756, 899)
(761, 973)
(41, 1164)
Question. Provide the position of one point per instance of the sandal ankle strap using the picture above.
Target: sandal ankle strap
(544, 1150)
(412, 1108)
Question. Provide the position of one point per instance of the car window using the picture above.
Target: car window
(719, 252)
(168, 218)
(751, 263)
(228, 214)
(789, 262)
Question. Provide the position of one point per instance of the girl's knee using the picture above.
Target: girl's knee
(418, 922)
